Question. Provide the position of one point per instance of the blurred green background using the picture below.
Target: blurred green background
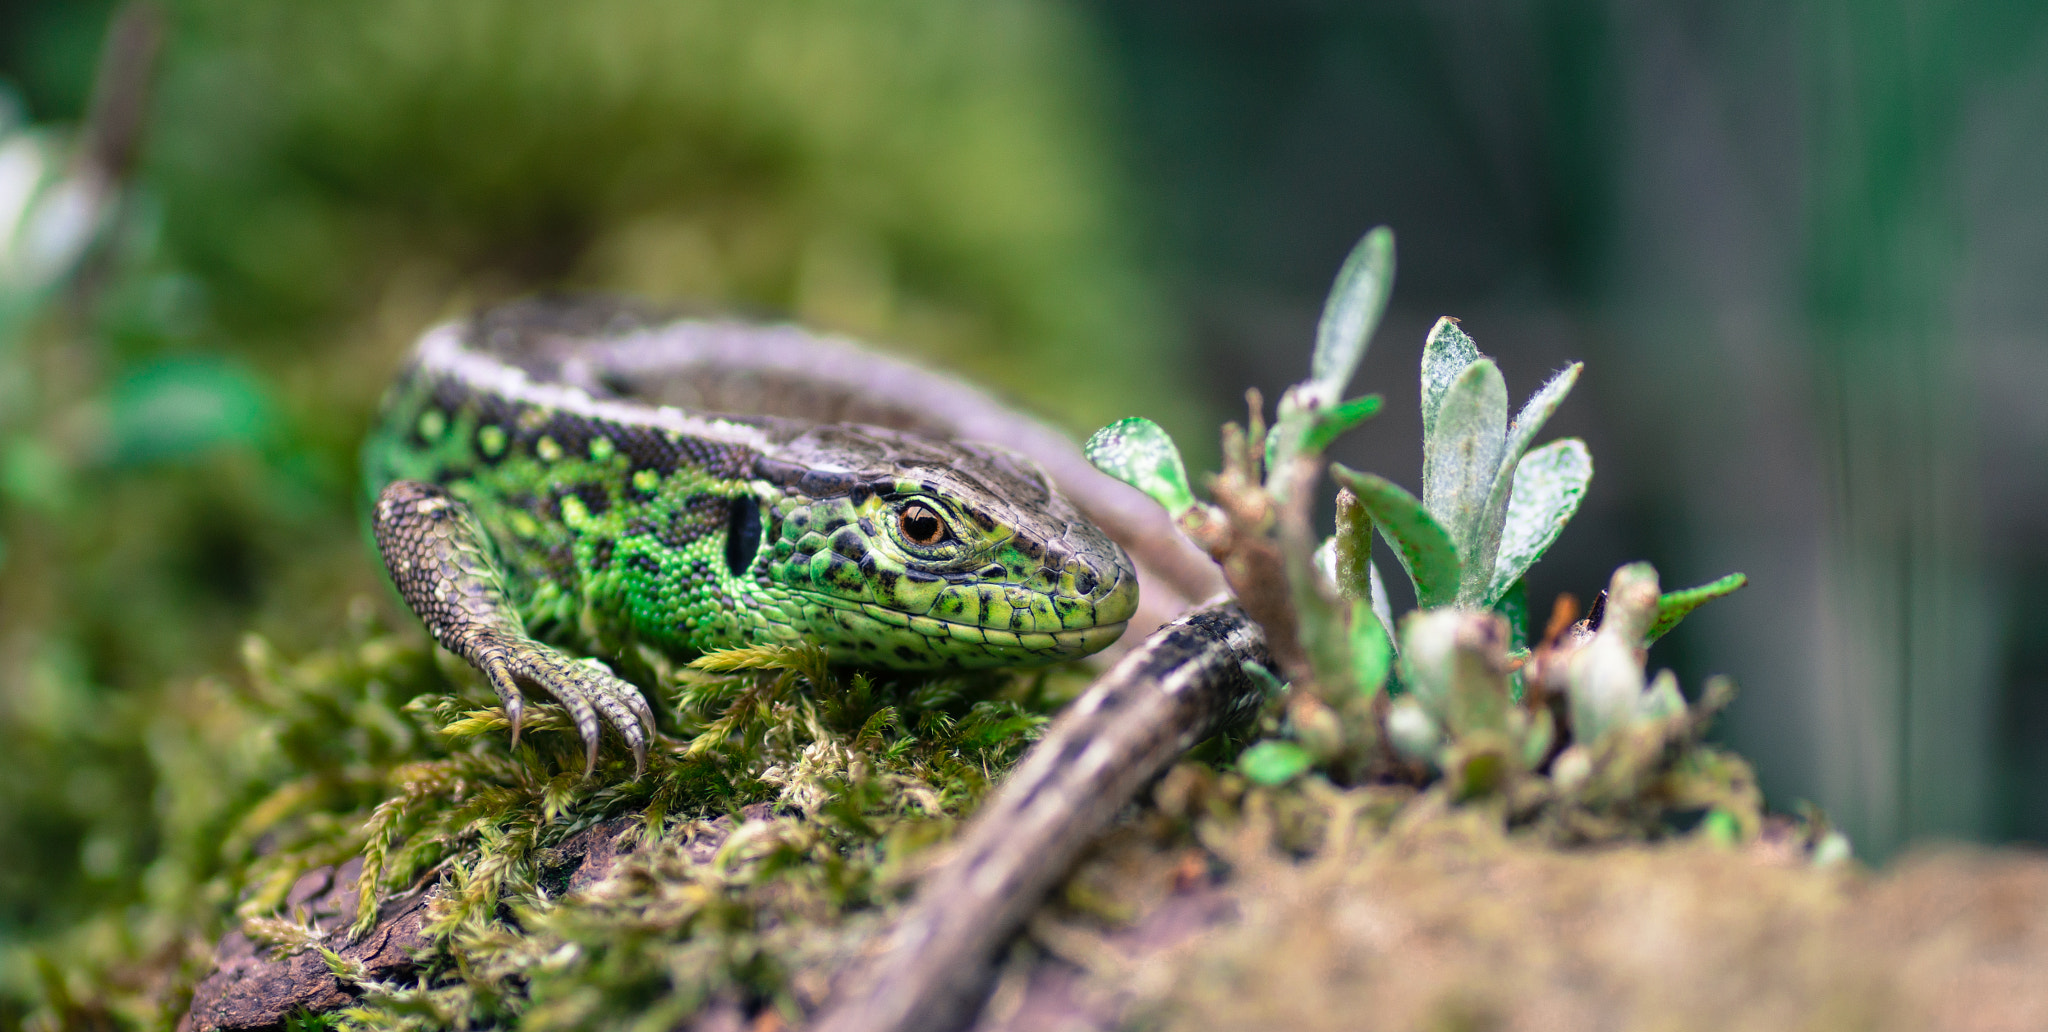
(1800, 246)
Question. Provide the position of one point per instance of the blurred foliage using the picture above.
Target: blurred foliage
(181, 401)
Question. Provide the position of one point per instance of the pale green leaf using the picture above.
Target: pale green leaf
(1538, 409)
(1481, 555)
(1352, 312)
(1423, 547)
(1444, 356)
(1139, 452)
(1461, 456)
(1549, 484)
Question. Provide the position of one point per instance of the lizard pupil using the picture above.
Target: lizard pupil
(921, 525)
(742, 533)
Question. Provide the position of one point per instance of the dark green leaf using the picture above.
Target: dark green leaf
(1514, 604)
(1673, 607)
(1337, 420)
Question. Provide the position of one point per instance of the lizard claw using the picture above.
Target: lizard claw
(586, 688)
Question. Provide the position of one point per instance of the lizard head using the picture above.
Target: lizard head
(901, 551)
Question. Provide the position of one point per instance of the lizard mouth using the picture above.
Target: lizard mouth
(872, 634)
(968, 645)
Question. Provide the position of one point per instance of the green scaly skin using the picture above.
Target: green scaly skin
(524, 492)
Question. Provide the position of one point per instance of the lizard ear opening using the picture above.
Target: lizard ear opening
(742, 533)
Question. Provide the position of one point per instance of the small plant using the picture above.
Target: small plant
(1568, 734)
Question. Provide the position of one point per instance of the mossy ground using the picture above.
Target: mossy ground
(1359, 911)
(1313, 906)
(380, 747)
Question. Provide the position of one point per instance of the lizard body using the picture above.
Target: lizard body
(533, 483)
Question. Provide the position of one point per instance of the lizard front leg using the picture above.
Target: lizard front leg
(441, 562)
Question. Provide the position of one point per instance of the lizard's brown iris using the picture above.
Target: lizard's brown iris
(920, 525)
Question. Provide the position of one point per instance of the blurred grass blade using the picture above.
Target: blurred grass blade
(1444, 355)
(1460, 458)
(1549, 484)
(1673, 607)
(1422, 546)
(1352, 313)
(1139, 453)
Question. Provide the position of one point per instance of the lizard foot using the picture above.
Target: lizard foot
(441, 562)
(585, 687)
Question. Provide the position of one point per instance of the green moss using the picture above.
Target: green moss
(378, 747)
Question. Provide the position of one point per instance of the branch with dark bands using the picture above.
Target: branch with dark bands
(1186, 682)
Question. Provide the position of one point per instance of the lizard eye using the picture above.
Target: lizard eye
(921, 525)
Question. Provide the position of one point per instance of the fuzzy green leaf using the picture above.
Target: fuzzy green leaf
(1352, 312)
(1538, 409)
(1549, 484)
(1444, 356)
(1461, 457)
(1673, 607)
(1423, 547)
(1528, 423)
(1274, 763)
(1139, 453)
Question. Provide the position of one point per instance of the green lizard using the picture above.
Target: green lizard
(533, 483)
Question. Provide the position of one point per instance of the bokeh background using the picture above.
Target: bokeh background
(1802, 248)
